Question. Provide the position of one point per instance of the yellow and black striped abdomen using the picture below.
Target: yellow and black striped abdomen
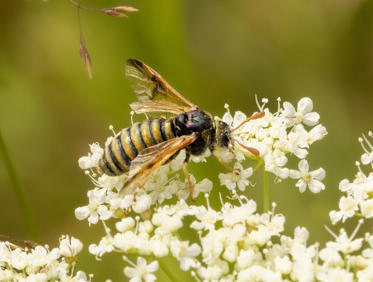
(130, 142)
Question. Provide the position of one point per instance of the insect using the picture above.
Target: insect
(18, 243)
(147, 145)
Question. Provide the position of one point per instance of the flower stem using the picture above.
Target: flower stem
(265, 191)
(260, 162)
(19, 192)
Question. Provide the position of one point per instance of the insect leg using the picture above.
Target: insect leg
(223, 163)
(190, 183)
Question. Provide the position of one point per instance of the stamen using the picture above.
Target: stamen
(137, 218)
(107, 229)
(207, 201)
(362, 145)
(273, 207)
(234, 192)
(357, 163)
(126, 259)
(92, 172)
(147, 117)
(278, 106)
(257, 103)
(112, 129)
(194, 275)
(221, 199)
(367, 141)
(361, 221)
(330, 232)
(132, 114)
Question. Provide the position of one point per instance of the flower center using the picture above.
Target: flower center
(298, 117)
(307, 177)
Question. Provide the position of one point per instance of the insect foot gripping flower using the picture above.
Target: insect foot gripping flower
(40, 263)
(358, 198)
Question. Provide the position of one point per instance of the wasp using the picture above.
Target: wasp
(147, 145)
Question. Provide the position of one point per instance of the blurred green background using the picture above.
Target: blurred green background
(214, 52)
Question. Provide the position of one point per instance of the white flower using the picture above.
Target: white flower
(185, 254)
(142, 203)
(334, 274)
(141, 271)
(311, 179)
(237, 178)
(348, 206)
(125, 224)
(91, 160)
(106, 245)
(367, 208)
(95, 209)
(303, 113)
(70, 247)
(283, 265)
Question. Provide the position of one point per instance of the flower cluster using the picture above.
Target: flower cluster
(235, 243)
(39, 263)
(276, 136)
(358, 198)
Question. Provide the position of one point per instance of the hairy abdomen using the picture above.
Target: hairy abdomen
(127, 144)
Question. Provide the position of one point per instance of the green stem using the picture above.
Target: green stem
(257, 165)
(19, 192)
(167, 271)
(265, 191)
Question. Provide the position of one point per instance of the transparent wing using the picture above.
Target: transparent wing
(152, 158)
(156, 107)
(150, 86)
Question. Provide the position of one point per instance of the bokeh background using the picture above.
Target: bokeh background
(214, 52)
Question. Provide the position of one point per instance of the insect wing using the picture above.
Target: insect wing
(152, 158)
(150, 86)
(156, 107)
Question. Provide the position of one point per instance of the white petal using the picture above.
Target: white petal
(153, 266)
(302, 185)
(318, 174)
(81, 212)
(316, 186)
(227, 118)
(150, 277)
(289, 109)
(311, 119)
(295, 174)
(93, 218)
(239, 117)
(135, 279)
(303, 166)
(129, 271)
(85, 162)
(141, 261)
(104, 213)
(335, 216)
(300, 153)
(305, 105)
